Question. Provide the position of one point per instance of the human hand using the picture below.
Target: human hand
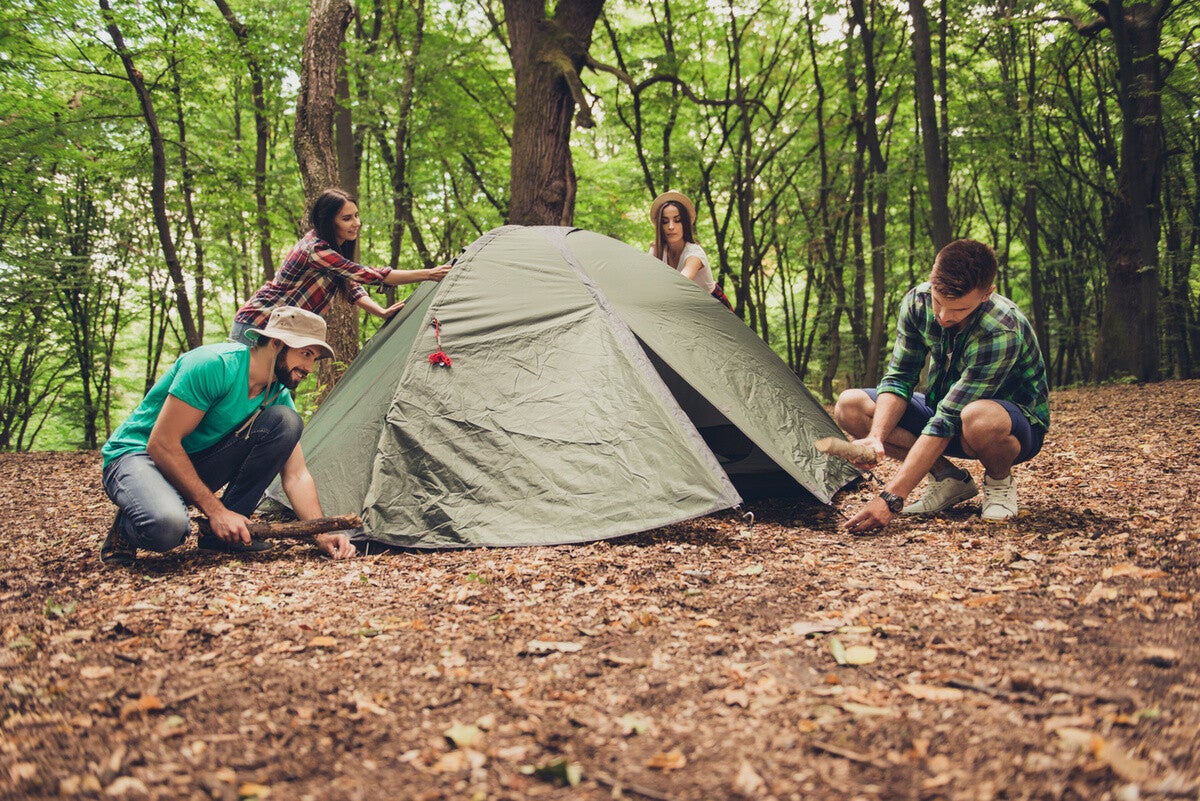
(391, 310)
(875, 514)
(873, 444)
(438, 273)
(229, 526)
(336, 545)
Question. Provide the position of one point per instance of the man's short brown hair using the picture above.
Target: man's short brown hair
(963, 266)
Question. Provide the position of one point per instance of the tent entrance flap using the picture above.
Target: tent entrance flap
(752, 472)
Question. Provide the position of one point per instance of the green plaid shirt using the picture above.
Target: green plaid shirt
(996, 356)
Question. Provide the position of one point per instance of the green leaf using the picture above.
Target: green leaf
(559, 771)
(55, 609)
(752, 570)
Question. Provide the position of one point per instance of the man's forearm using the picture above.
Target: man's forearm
(174, 463)
(889, 408)
(921, 457)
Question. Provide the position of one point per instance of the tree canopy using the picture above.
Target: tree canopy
(154, 166)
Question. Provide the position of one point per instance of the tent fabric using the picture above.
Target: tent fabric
(592, 394)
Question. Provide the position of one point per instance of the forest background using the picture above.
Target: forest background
(156, 157)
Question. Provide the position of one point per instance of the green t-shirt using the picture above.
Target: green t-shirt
(211, 378)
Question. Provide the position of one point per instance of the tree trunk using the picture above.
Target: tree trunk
(548, 54)
(937, 170)
(158, 185)
(1128, 341)
(316, 149)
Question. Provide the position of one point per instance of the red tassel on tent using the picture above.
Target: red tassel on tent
(439, 359)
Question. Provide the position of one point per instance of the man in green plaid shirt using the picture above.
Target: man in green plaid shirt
(987, 396)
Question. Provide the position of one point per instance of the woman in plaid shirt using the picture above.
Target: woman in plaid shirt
(319, 265)
(987, 395)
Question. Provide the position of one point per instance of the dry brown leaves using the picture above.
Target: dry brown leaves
(1053, 657)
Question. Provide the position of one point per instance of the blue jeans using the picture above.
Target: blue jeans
(155, 515)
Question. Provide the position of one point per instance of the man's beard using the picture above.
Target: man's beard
(285, 376)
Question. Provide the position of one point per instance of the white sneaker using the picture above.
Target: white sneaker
(999, 498)
(941, 494)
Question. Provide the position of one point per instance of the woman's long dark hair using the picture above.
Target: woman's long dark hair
(324, 214)
(660, 243)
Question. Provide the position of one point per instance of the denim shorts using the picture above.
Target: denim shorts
(919, 413)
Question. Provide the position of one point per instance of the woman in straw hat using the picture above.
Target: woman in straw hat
(674, 219)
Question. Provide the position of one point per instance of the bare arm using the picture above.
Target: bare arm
(920, 458)
(301, 490)
(398, 277)
(889, 408)
(165, 446)
(366, 303)
(690, 267)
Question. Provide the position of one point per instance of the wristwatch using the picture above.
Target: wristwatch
(894, 502)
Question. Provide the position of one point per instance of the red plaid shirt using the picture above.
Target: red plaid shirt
(310, 276)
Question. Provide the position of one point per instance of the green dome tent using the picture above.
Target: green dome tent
(592, 393)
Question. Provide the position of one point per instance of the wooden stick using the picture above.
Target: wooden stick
(854, 454)
(295, 529)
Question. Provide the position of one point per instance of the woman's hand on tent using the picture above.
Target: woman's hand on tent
(390, 311)
(335, 546)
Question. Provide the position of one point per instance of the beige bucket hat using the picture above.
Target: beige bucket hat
(295, 328)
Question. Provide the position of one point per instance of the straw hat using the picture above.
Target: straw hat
(669, 197)
(296, 328)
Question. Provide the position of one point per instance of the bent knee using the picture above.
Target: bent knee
(853, 405)
(985, 419)
(281, 422)
(163, 529)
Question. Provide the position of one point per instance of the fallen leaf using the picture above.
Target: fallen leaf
(253, 790)
(982, 600)
(1159, 657)
(322, 641)
(667, 760)
(860, 655)
(463, 736)
(633, 723)
(747, 782)
(708, 622)
(143, 705)
(560, 771)
(929, 692)
(751, 570)
(539, 647)
(1100, 593)
(806, 628)
(866, 710)
(1133, 571)
(837, 650)
(93, 672)
(125, 786)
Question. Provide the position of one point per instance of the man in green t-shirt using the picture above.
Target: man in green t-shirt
(987, 395)
(221, 416)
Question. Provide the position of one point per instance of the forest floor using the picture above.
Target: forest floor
(1055, 657)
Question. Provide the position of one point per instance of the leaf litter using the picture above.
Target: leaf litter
(1055, 654)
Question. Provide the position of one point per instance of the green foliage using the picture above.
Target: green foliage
(756, 111)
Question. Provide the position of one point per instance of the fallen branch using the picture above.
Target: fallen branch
(854, 454)
(295, 529)
(846, 753)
